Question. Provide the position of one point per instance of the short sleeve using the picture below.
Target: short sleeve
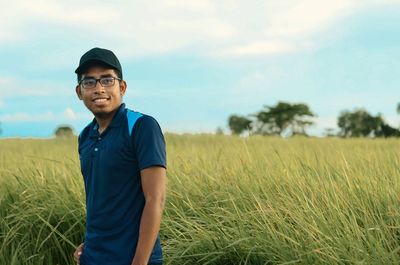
(149, 143)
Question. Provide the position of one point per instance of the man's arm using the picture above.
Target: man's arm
(153, 185)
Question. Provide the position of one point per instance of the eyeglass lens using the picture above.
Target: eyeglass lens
(104, 81)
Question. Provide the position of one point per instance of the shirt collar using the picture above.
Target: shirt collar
(115, 122)
(118, 117)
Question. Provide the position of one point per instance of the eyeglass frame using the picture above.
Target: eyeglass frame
(98, 80)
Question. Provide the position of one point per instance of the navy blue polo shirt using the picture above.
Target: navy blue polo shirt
(110, 165)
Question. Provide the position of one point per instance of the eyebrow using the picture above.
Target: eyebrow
(105, 75)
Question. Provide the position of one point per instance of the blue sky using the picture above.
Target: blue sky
(191, 64)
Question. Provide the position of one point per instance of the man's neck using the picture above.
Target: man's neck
(103, 120)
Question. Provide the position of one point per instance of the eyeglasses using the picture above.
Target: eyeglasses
(90, 82)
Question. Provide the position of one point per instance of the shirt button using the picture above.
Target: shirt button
(96, 149)
(99, 138)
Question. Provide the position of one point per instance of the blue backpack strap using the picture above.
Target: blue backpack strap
(132, 116)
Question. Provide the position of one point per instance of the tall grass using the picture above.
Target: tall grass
(230, 201)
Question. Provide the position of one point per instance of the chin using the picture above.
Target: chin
(101, 113)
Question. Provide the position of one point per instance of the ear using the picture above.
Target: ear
(78, 91)
(122, 87)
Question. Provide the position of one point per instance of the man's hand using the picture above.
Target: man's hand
(78, 253)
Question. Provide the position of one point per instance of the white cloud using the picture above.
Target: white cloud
(299, 18)
(254, 89)
(188, 126)
(393, 120)
(5, 82)
(257, 48)
(11, 27)
(227, 28)
(325, 122)
(224, 27)
(70, 114)
(69, 12)
(3, 87)
(199, 7)
(161, 26)
(10, 86)
(323, 126)
(27, 117)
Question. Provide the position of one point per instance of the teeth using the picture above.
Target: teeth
(100, 100)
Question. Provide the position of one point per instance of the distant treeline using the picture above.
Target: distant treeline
(286, 119)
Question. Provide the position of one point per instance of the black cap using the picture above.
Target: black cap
(98, 56)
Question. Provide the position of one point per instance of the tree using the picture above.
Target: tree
(64, 131)
(219, 131)
(239, 124)
(360, 123)
(330, 132)
(398, 108)
(387, 131)
(284, 118)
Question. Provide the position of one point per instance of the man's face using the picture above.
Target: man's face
(101, 100)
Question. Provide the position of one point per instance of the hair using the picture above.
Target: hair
(117, 73)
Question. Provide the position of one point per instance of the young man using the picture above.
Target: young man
(123, 163)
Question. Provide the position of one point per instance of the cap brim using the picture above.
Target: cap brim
(84, 66)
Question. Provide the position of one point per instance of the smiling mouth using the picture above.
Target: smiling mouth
(100, 100)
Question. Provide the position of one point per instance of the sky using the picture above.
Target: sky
(192, 64)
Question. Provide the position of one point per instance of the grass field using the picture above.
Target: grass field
(230, 201)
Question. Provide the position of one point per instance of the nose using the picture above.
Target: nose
(99, 88)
